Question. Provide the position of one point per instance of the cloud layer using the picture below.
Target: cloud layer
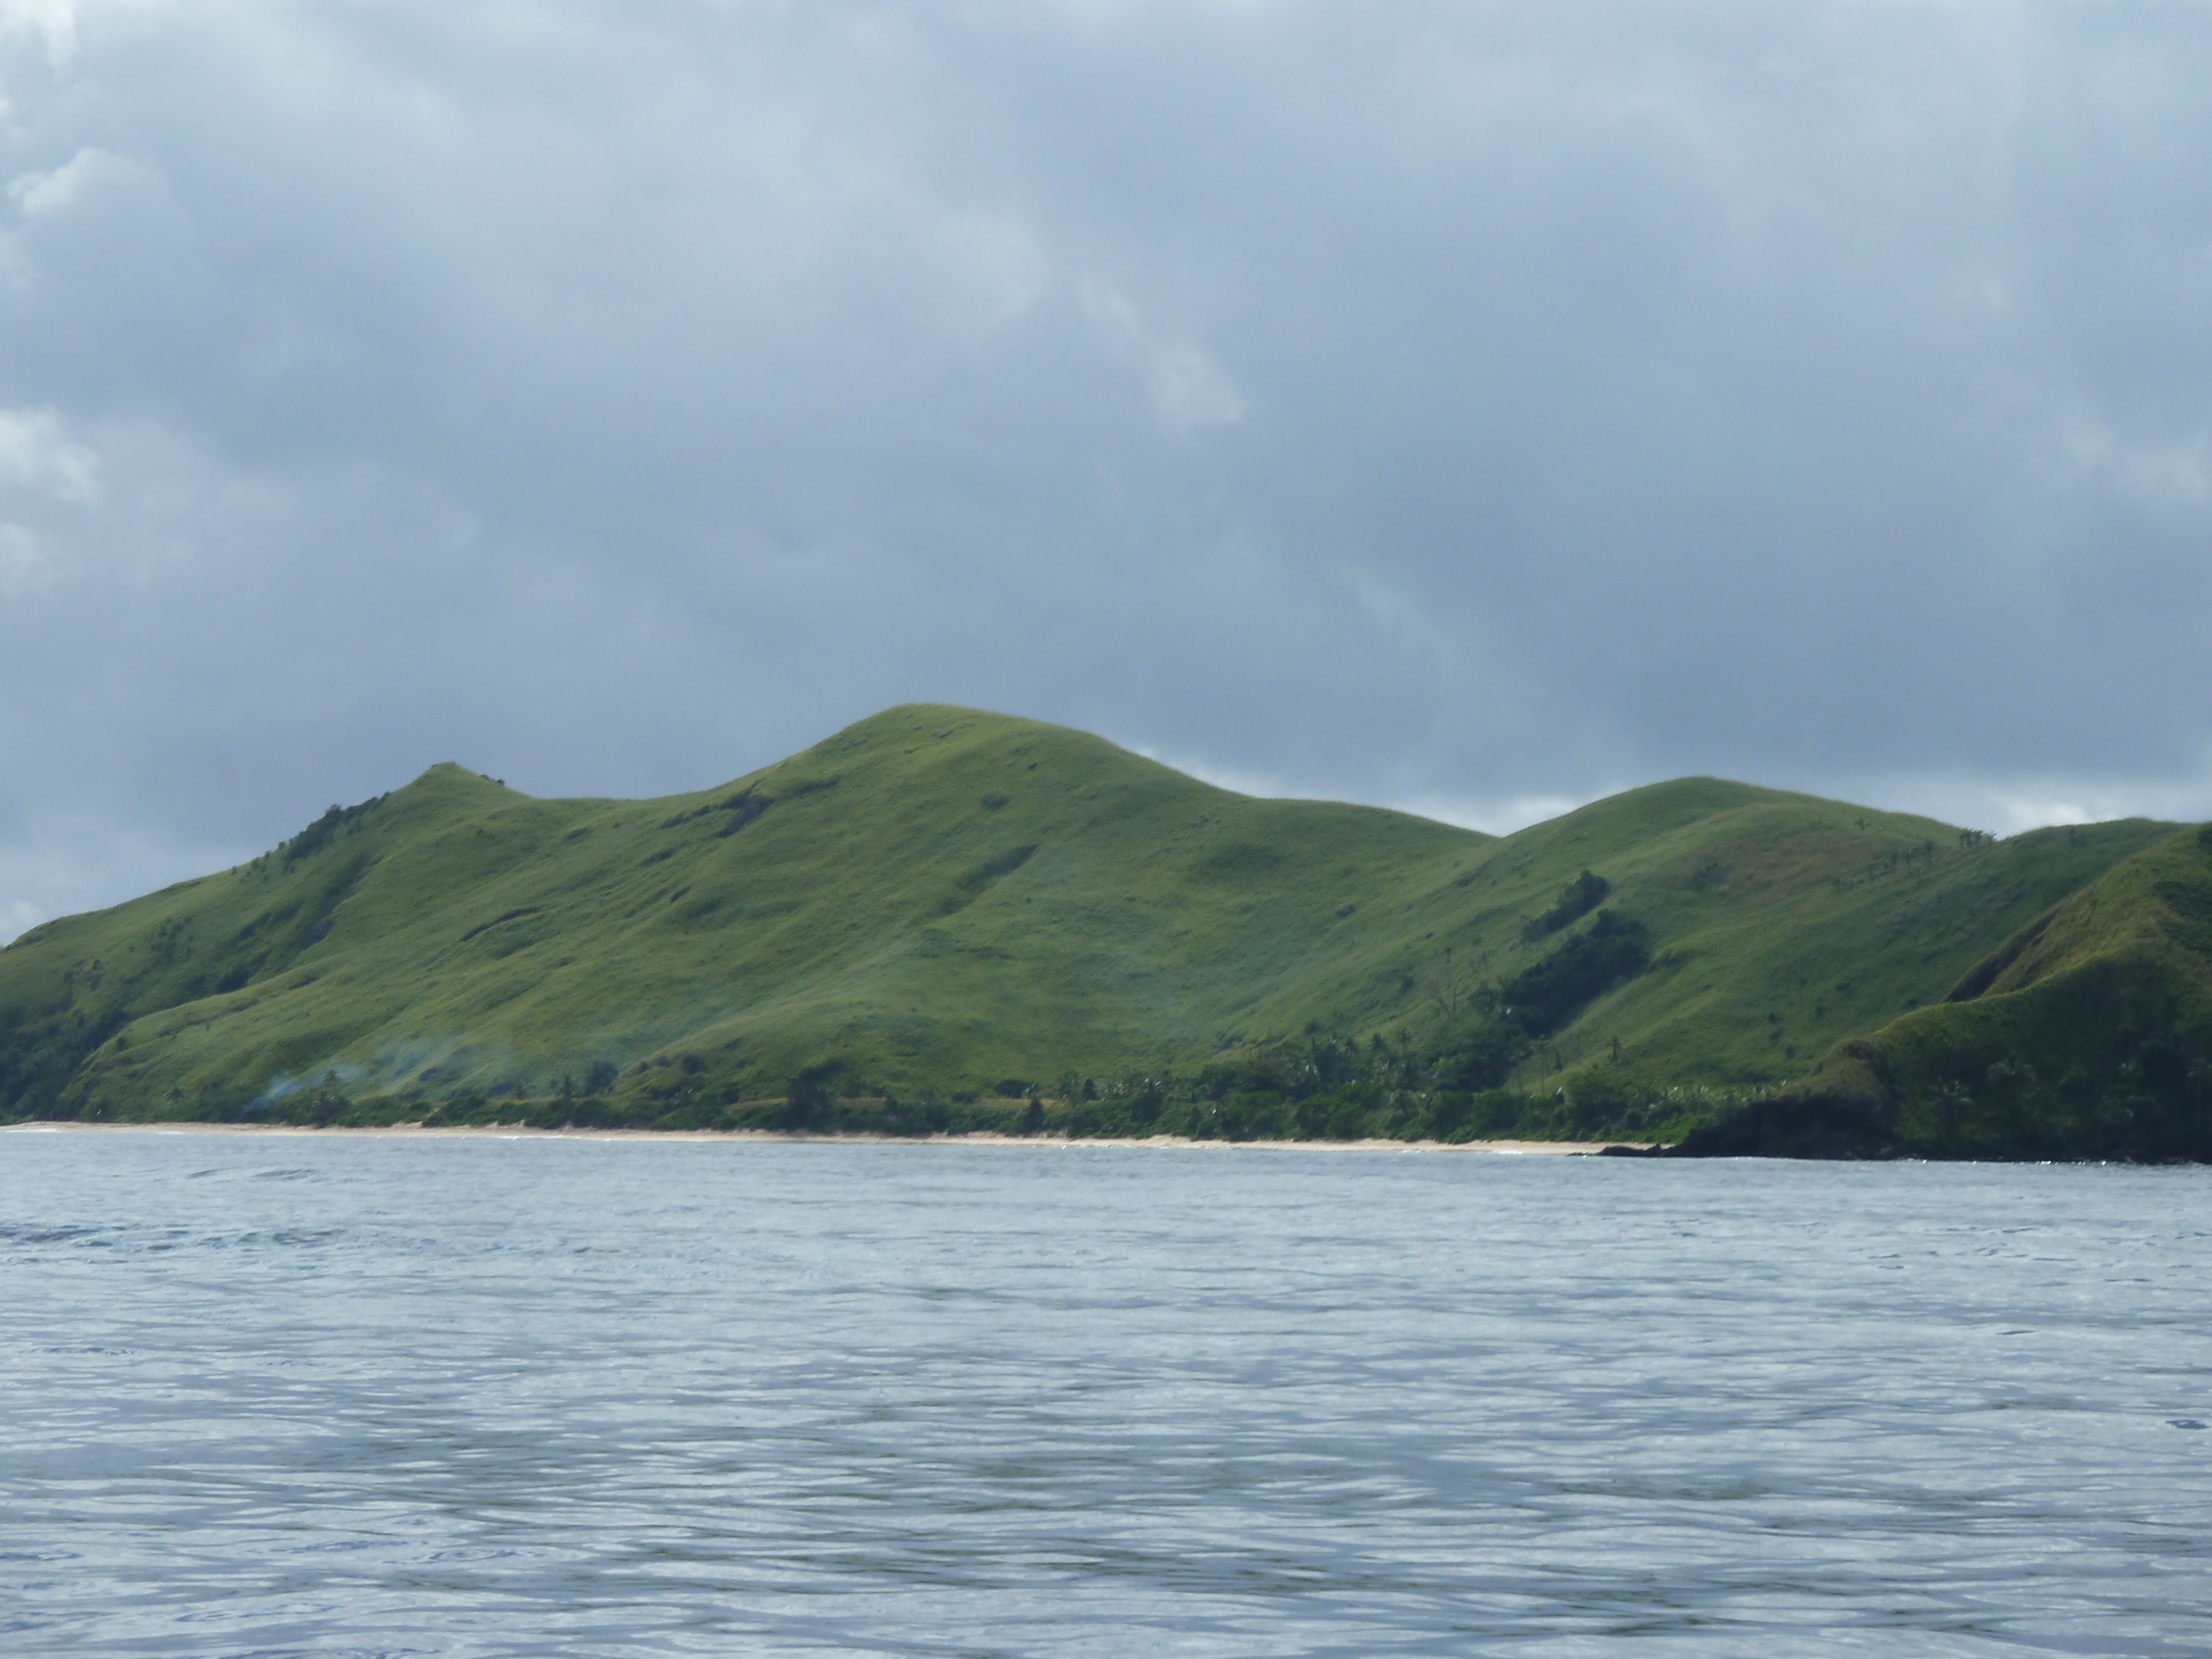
(1472, 406)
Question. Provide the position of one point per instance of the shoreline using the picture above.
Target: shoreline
(981, 1137)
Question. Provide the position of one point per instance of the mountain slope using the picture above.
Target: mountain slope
(937, 899)
(2087, 1033)
(935, 892)
(1780, 922)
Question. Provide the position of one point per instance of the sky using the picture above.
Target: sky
(1471, 408)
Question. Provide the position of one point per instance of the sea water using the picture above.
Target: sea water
(283, 1394)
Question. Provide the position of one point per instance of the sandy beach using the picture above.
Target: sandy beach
(518, 1132)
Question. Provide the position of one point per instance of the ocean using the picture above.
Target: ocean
(279, 1393)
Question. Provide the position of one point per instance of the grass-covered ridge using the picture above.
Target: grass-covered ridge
(937, 910)
(2087, 1033)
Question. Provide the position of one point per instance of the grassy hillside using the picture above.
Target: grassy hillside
(2087, 1033)
(937, 903)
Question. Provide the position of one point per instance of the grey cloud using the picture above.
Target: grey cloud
(1475, 407)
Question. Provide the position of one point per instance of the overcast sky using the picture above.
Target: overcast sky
(1476, 408)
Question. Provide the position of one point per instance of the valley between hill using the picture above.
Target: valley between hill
(941, 919)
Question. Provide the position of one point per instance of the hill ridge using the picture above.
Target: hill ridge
(936, 900)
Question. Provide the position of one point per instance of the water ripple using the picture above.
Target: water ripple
(473, 1398)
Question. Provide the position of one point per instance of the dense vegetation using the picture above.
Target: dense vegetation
(940, 920)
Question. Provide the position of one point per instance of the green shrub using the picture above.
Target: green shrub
(1576, 900)
(1340, 1119)
(1545, 997)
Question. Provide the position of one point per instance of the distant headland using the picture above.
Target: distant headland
(940, 921)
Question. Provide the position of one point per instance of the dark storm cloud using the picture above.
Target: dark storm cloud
(1476, 407)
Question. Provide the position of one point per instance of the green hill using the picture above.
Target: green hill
(937, 908)
(2087, 1033)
